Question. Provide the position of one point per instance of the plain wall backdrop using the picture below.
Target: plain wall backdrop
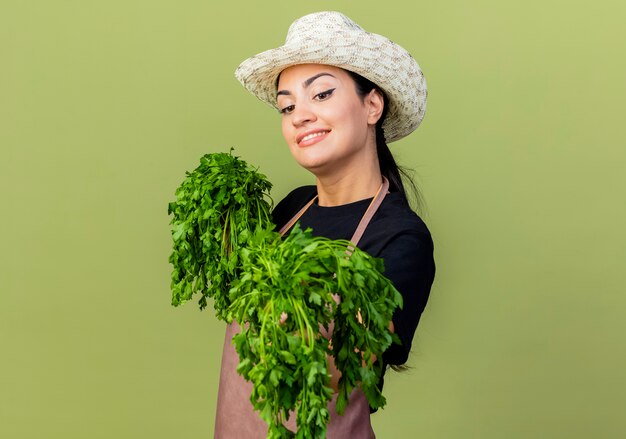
(105, 104)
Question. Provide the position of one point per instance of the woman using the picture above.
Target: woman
(342, 93)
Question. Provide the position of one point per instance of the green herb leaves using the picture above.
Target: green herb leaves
(361, 334)
(286, 294)
(287, 360)
(217, 207)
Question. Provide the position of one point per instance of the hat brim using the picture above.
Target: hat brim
(372, 56)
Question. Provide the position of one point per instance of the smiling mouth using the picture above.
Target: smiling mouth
(312, 136)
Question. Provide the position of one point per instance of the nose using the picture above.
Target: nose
(302, 114)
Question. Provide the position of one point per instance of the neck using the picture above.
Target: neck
(348, 187)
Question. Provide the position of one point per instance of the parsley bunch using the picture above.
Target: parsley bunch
(287, 360)
(217, 207)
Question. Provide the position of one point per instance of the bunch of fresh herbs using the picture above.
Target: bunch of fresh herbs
(282, 293)
(217, 207)
(299, 277)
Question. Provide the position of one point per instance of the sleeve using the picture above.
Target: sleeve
(410, 265)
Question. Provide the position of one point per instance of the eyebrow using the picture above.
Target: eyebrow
(305, 84)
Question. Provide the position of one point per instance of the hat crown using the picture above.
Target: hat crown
(320, 24)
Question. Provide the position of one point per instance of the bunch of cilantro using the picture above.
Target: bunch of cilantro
(217, 207)
(282, 292)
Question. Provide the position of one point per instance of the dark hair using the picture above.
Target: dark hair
(388, 166)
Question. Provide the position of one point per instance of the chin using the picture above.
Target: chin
(315, 163)
(314, 168)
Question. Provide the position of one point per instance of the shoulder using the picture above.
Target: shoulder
(289, 206)
(396, 225)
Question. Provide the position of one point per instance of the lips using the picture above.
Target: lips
(310, 137)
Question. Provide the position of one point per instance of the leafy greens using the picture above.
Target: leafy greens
(225, 248)
(217, 207)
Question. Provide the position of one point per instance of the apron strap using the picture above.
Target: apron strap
(284, 229)
(365, 220)
(369, 214)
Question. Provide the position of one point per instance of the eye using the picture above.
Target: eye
(324, 95)
(286, 110)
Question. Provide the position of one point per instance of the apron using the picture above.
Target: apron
(236, 419)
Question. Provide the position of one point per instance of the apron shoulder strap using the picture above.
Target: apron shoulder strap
(369, 214)
(365, 220)
(284, 229)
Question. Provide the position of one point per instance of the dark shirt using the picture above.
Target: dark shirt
(396, 234)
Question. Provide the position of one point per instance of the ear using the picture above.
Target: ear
(375, 102)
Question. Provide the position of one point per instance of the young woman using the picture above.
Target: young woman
(342, 94)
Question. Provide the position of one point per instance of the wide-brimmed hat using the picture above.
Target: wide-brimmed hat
(332, 38)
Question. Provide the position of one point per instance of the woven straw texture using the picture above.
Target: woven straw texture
(333, 39)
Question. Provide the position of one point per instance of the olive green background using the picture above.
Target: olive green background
(104, 106)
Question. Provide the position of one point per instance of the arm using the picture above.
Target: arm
(410, 265)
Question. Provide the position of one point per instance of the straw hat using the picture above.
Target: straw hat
(332, 38)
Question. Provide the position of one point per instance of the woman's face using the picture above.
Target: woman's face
(325, 123)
